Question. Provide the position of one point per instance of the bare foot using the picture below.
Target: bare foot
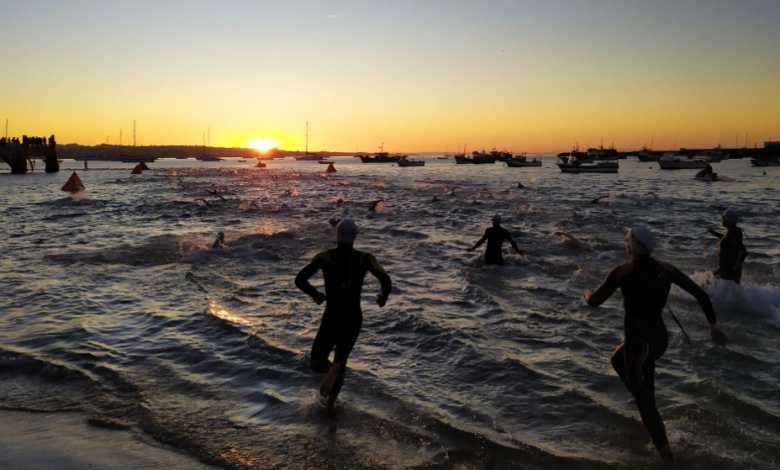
(327, 385)
(667, 456)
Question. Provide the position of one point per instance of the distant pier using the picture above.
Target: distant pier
(18, 154)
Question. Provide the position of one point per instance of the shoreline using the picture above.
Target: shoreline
(64, 441)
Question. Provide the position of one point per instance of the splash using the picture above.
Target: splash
(759, 300)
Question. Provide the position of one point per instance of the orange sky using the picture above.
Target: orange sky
(536, 76)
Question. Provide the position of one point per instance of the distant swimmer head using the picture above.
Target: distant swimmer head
(346, 232)
(640, 241)
(221, 235)
(496, 219)
(730, 215)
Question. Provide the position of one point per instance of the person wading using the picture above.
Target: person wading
(344, 270)
(645, 284)
(495, 237)
(731, 250)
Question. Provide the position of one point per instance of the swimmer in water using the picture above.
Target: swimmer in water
(344, 270)
(220, 241)
(372, 206)
(495, 237)
(645, 284)
(731, 250)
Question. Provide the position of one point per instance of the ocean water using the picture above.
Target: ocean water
(113, 305)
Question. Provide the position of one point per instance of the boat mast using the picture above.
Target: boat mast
(307, 138)
(6, 129)
(133, 136)
(209, 146)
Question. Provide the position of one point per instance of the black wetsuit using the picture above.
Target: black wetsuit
(707, 170)
(495, 237)
(645, 285)
(344, 270)
(729, 249)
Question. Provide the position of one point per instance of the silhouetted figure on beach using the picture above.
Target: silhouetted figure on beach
(645, 284)
(731, 250)
(495, 237)
(344, 270)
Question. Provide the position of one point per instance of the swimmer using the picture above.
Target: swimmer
(344, 270)
(645, 284)
(435, 199)
(372, 206)
(220, 241)
(495, 237)
(731, 250)
(334, 222)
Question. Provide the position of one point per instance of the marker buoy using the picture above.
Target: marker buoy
(137, 170)
(331, 168)
(74, 183)
(143, 166)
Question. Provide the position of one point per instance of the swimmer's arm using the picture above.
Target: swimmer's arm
(480, 242)
(605, 290)
(512, 242)
(384, 280)
(302, 279)
(685, 283)
(713, 232)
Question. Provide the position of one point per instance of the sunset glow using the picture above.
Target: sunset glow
(263, 144)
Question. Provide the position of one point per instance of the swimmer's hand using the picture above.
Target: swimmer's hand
(319, 298)
(718, 336)
(470, 249)
(521, 252)
(381, 301)
(588, 293)
(712, 231)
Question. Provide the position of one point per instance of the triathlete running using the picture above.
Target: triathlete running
(645, 284)
(731, 250)
(344, 270)
(495, 237)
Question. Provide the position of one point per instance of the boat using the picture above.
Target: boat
(381, 156)
(207, 156)
(134, 158)
(756, 161)
(522, 161)
(714, 156)
(646, 155)
(404, 161)
(500, 156)
(242, 161)
(462, 159)
(681, 162)
(581, 157)
(93, 158)
(309, 157)
(324, 162)
(444, 157)
(573, 165)
(603, 154)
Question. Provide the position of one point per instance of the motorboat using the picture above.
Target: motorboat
(404, 161)
(681, 162)
(462, 159)
(522, 161)
(573, 165)
(764, 161)
(646, 155)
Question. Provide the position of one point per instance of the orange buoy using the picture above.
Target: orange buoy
(74, 183)
(143, 166)
(331, 168)
(137, 170)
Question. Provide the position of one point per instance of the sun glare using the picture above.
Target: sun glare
(264, 144)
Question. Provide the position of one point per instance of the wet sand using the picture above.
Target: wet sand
(64, 441)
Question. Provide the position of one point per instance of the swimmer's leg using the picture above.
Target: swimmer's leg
(324, 343)
(346, 340)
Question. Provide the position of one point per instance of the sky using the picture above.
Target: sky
(417, 75)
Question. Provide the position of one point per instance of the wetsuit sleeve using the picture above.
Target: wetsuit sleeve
(508, 238)
(741, 249)
(302, 279)
(605, 290)
(685, 283)
(717, 234)
(481, 240)
(375, 269)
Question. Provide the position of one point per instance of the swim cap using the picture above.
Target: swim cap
(221, 234)
(496, 218)
(640, 240)
(730, 215)
(346, 231)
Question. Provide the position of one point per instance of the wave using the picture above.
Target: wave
(759, 300)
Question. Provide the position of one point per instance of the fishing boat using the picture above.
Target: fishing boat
(581, 157)
(522, 161)
(646, 155)
(573, 165)
(404, 161)
(603, 154)
(681, 162)
(381, 156)
(462, 159)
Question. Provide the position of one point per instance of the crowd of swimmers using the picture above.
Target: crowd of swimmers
(28, 142)
(644, 282)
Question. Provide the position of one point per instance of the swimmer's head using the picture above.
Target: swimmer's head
(221, 235)
(730, 217)
(346, 232)
(496, 219)
(640, 241)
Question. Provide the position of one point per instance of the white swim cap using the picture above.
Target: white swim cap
(496, 218)
(346, 231)
(730, 215)
(640, 240)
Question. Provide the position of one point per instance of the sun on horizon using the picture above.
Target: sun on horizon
(264, 144)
